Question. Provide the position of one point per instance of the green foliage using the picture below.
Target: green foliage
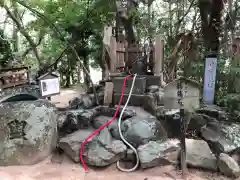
(82, 23)
(6, 54)
(230, 101)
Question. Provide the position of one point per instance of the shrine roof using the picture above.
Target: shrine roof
(48, 74)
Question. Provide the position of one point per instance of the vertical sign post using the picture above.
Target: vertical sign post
(182, 127)
(209, 79)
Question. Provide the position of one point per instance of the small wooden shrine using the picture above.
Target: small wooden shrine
(123, 55)
(11, 77)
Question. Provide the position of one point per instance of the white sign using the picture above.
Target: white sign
(50, 86)
(209, 80)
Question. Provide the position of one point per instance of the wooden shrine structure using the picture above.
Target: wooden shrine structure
(11, 77)
(124, 54)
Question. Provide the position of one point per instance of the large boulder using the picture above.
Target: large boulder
(214, 111)
(138, 130)
(170, 120)
(217, 141)
(199, 155)
(72, 143)
(100, 151)
(75, 119)
(228, 166)
(83, 101)
(28, 132)
(157, 153)
(20, 93)
(101, 120)
(107, 111)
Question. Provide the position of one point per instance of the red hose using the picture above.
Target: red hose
(103, 126)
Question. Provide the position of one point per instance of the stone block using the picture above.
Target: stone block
(135, 100)
(139, 86)
(153, 80)
(145, 101)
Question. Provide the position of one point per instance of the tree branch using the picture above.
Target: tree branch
(41, 37)
(24, 33)
(186, 13)
(68, 44)
(55, 62)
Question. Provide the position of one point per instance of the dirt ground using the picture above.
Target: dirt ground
(68, 170)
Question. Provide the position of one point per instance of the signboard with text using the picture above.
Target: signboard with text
(209, 80)
(49, 85)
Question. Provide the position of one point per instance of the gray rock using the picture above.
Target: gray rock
(77, 119)
(146, 101)
(101, 120)
(159, 153)
(8, 93)
(102, 150)
(105, 151)
(198, 121)
(139, 131)
(199, 155)
(61, 118)
(218, 143)
(213, 111)
(86, 117)
(72, 143)
(140, 112)
(85, 101)
(130, 156)
(170, 121)
(28, 132)
(228, 166)
(109, 112)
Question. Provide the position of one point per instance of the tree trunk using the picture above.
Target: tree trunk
(86, 78)
(211, 13)
(68, 72)
(104, 64)
(15, 29)
(78, 72)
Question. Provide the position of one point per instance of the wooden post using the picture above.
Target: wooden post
(107, 35)
(183, 143)
(108, 93)
(113, 54)
(158, 56)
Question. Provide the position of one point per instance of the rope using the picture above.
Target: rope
(121, 135)
(103, 126)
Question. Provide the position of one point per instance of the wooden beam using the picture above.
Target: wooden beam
(113, 54)
(158, 55)
(107, 35)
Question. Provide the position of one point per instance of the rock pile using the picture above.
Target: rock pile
(213, 140)
(212, 143)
